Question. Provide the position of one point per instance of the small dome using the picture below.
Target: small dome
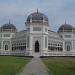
(65, 28)
(37, 17)
(9, 27)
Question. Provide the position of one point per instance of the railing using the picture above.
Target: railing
(18, 52)
(22, 52)
(57, 53)
(41, 53)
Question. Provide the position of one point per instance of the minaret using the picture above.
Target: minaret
(37, 10)
(65, 21)
(9, 21)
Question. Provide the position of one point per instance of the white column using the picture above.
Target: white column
(31, 45)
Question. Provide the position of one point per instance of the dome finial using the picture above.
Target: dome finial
(37, 10)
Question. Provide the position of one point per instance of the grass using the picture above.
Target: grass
(60, 66)
(11, 65)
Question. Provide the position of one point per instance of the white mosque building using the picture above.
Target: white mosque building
(37, 38)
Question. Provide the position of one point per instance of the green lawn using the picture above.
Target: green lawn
(11, 65)
(60, 66)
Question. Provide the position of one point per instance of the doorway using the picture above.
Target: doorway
(36, 46)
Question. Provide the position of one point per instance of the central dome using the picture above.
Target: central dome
(37, 17)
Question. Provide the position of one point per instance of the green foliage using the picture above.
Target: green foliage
(60, 66)
(11, 65)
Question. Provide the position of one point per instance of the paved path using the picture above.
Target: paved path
(35, 67)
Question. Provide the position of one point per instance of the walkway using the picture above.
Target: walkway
(35, 67)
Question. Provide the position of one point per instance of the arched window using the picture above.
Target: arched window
(68, 48)
(28, 42)
(6, 47)
(68, 45)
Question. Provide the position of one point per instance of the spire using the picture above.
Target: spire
(65, 21)
(9, 21)
(37, 10)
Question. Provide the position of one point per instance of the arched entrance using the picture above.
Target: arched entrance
(36, 46)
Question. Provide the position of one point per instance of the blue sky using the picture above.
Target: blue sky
(57, 12)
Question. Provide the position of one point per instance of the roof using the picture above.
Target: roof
(37, 17)
(8, 26)
(66, 28)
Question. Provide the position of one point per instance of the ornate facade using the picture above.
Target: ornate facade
(37, 38)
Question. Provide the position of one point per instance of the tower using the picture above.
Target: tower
(37, 33)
